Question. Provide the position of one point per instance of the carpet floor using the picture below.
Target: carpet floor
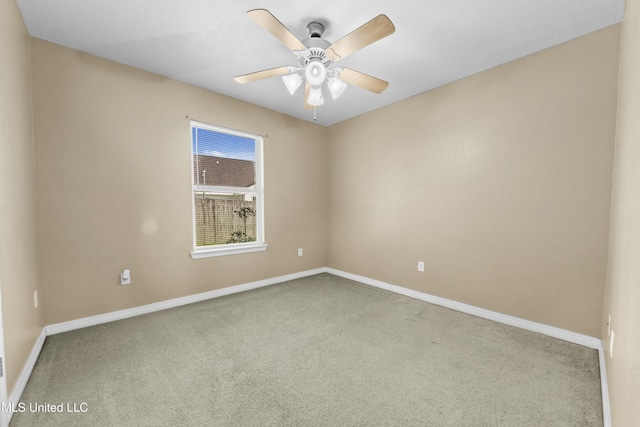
(316, 351)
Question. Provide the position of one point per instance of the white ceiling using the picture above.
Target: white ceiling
(208, 42)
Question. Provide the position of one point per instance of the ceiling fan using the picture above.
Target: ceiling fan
(316, 58)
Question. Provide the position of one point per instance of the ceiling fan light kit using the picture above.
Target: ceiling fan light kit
(315, 96)
(292, 82)
(316, 56)
(315, 72)
(336, 87)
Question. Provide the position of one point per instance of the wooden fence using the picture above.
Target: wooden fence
(217, 220)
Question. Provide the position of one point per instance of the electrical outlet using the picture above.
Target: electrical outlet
(300, 252)
(613, 335)
(420, 266)
(35, 299)
(125, 277)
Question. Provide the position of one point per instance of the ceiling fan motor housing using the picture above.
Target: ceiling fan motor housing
(314, 59)
(312, 54)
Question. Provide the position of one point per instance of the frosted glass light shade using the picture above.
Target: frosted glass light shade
(336, 87)
(292, 82)
(315, 97)
(315, 72)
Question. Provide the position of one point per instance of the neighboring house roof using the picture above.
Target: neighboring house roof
(223, 171)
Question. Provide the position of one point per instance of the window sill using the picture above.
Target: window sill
(228, 250)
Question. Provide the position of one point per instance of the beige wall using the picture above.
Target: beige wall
(623, 280)
(18, 249)
(499, 182)
(113, 159)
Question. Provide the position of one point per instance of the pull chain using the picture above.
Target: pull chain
(315, 119)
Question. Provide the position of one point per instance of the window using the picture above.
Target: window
(228, 205)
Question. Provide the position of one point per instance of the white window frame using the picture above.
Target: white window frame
(231, 248)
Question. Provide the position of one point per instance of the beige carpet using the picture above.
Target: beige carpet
(318, 351)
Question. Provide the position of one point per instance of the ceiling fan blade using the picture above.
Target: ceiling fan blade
(307, 90)
(264, 74)
(266, 20)
(362, 80)
(374, 30)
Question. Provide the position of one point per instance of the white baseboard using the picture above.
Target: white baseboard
(529, 325)
(22, 380)
(176, 302)
(604, 386)
(57, 328)
(552, 331)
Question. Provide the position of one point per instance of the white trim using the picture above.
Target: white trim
(258, 190)
(552, 331)
(223, 129)
(228, 250)
(176, 302)
(22, 380)
(260, 185)
(221, 189)
(4, 416)
(604, 387)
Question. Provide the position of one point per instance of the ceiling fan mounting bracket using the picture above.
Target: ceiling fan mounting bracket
(315, 46)
(315, 29)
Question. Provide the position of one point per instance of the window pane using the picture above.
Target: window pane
(222, 159)
(223, 218)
